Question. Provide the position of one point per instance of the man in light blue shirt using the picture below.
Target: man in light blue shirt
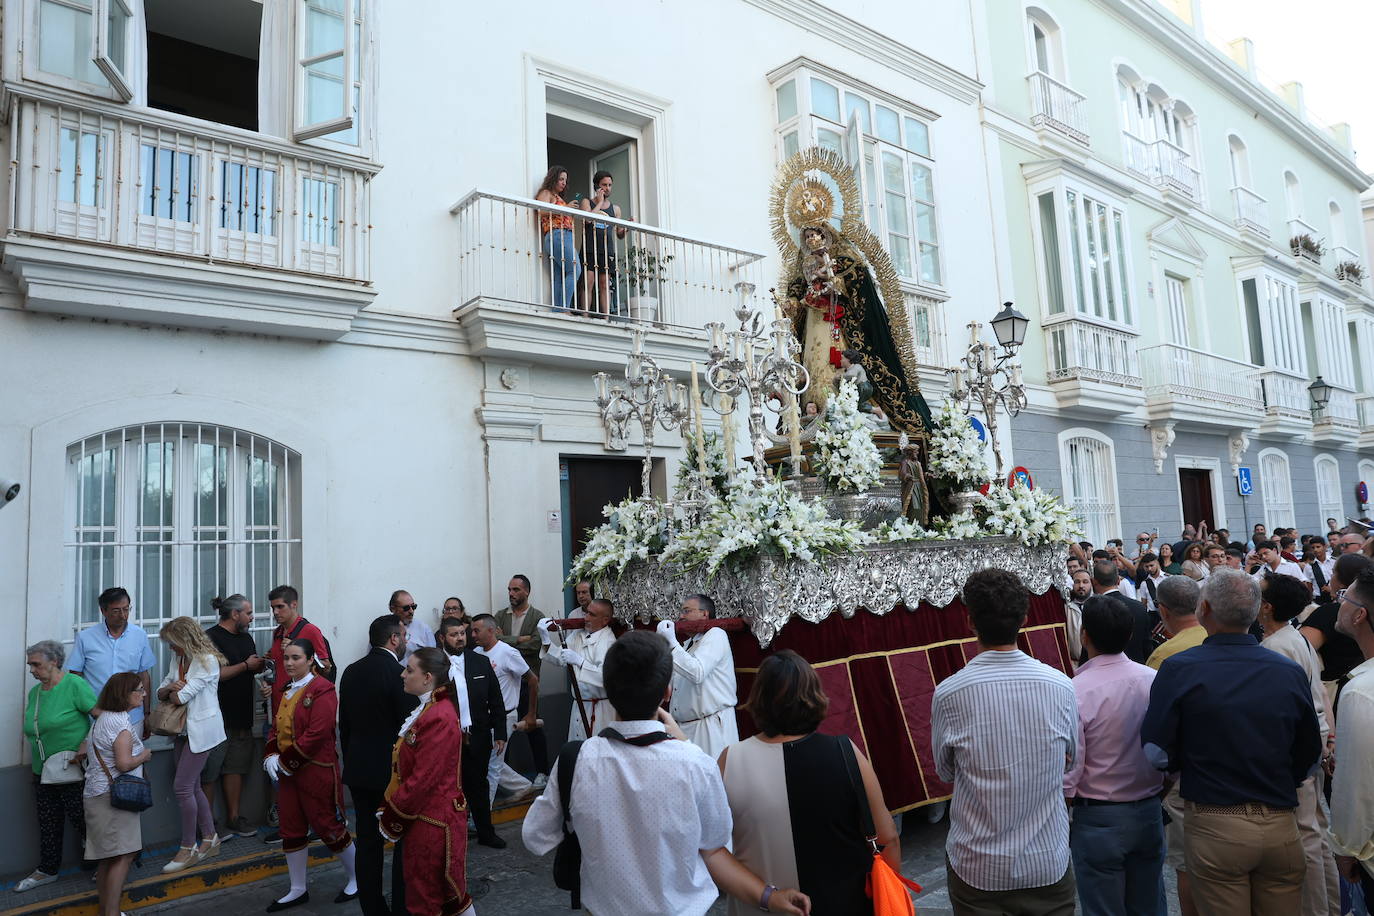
(112, 646)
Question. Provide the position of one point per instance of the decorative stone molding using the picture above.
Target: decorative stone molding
(1161, 438)
(1237, 444)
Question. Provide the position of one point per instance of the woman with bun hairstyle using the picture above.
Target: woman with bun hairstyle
(424, 804)
(302, 760)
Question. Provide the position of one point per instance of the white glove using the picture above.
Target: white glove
(667, 629)
(543, 625)
(570, 657)
(544, 635)
(272, 766)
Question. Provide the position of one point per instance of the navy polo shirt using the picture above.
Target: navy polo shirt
(1236, 720)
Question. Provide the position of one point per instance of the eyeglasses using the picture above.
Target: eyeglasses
(1343, 597)
(138, 690)
(405, 607)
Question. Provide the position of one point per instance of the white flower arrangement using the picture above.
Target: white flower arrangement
(846, 458)
(1033, 517)
(903, 529)
(956, 454)
(633, 531)
(761, 519)
(715, 464)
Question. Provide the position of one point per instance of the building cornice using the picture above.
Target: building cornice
(867, 42)
(1150, 19)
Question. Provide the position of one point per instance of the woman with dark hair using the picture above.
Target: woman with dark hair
(598, 245)
(302, 761)
(424, 802)
(113, 836)
(1193, 566)
(788, 768)
(556, 241)
(1167, 563)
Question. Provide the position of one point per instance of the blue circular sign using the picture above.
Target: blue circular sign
(977, 425)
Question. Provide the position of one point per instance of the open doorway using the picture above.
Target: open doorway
(1195, 489)
(203, 59)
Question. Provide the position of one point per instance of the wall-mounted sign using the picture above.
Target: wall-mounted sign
(1362, 492)
(1245, 482)
(1020, 475)
(978, 428)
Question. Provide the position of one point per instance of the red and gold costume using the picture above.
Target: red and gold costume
(424, 804)
(304, 733)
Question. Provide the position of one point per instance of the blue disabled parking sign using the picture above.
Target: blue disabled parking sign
(1245, 483)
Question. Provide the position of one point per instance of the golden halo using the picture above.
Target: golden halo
(809, 203)
(817, 169)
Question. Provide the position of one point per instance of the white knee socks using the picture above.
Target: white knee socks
(295, 867)
(346, 856)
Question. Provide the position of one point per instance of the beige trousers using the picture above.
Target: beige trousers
(1250, 861)
(1321, 889)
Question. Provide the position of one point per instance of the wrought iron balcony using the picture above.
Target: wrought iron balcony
(1186, 384)
(1252, 211)
(1058, 107)
(1339, 421)
(1092, 366)
(1287, 405)
(1163, 164)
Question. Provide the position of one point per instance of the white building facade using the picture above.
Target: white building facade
(1190, 250)
(273, 305)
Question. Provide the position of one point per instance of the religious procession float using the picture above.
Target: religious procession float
(850, 531)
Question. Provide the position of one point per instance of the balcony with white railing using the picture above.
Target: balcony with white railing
(184, 222)
(1165, 165)
(520, 293)
(1057, 107)
(1183, 384)
(1364, 406)
(1287, 405)
(1339, 421)
(1252, 212)
(1092, 366)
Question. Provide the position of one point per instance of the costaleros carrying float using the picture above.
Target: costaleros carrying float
(861, 512)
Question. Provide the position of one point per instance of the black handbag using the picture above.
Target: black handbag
(567, 858)
(127, 791)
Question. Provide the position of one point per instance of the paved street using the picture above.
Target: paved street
(511, 882)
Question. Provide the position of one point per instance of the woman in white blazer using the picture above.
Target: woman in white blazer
(194, 683)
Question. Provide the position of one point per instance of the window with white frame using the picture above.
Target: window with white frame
(1337, 224)
(1240, 162)
(1046, 44)
(1082, 240)
(1274, 322)
(1087, 461)
(1277, 486)
(1328, 488)
(1331, 338)
(887, 143)
(179, 513)
(1292, 195)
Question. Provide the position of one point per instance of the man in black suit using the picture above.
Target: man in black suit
(373, 705)
(488, 723)
(1107, 581)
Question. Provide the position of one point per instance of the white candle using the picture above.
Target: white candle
(1016, 374)
(698, 438)
(987, 359)
(600, 382)
(632, 366)
(749, 353)
(793, 432)
(728, 435)
(973, 328)
(957, 383)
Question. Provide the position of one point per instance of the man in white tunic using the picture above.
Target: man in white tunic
(703, 699)
(584, 650)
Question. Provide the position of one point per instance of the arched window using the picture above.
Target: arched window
(1292, 195)
(1277, 487)
(1240, 162)
(1088, 463)
(1046, 44)
(179, 513)
(1337, 225)
(1328, 489)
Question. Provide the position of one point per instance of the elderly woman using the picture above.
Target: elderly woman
(56, 721)
(789, 767)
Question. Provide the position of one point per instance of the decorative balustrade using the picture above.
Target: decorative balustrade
(1285, 393)
(1341, 410)
(653, 275)
(1163, 164)
(1182, 373)
(153, 182)
(1090, 352)
(1252, 211)
(1364, 406)
(1058, 107)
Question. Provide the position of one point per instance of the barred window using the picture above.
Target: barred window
(1088, 463)
(179, 513)
(1328, 490)
(1277, 487)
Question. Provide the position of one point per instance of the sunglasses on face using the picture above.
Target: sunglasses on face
(405, 607)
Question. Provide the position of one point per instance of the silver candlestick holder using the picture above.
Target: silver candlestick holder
(648, 395)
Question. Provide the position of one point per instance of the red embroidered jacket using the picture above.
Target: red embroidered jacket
(313, 728)
(425, 768)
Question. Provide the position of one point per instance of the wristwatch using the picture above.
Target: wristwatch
(766, 896)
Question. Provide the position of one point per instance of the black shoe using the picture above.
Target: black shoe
(275, 907)
(272, 838)
(345, 897)
(494, 841)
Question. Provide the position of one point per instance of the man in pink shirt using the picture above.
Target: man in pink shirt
(1116, 837)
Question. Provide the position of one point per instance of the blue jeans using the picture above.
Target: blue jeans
(564, 267)
(1118, 858)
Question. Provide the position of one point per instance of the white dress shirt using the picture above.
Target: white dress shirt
(1004, 731)
(1352, 788)
(418, 636)
(593, 648)
(1285, 568)
(643, 816)
(1328, 566)
(704, 691)
(458, 683)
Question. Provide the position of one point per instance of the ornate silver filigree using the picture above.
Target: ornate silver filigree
(769, 590)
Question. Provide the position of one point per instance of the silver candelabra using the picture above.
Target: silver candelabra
(748, 361)
(648, 395)
(990, 379)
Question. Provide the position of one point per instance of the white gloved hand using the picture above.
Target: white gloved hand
(570, 657)
(543, 625)
(667, 629)
(272, 766)
(544, 635)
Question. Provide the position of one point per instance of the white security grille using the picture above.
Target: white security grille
(1278, 490)
(1090, 484)
(1329, 490)
(179, 513)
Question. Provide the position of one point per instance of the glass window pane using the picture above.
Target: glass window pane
(64, 41)
(262, 492)
(155, 484)
(212, 485)
(96, 488)
(922, 185)
(789, 144)
(787, 101)
(168, 180)
(1121, 274)
(320, 212)
(118, 28)
(828, 139)
(853, 103)
(889, 127)
(918, 137)
(896, 214)
(324, 27)
(825, 100)
(1049, 253)
(324, 90)
(1108, 278)
(1094, 278)
(1075, 246)
(925, 223)
(899, 247)
(930, 263)
(893, 174)
(154, 577)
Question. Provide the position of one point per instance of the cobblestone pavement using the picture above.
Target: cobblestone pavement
(512, 882)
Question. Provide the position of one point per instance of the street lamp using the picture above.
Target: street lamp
(1320, 392)
(1010, 327)
(988, 379)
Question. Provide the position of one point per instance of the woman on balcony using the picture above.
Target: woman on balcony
(598, 246)
(557, 241)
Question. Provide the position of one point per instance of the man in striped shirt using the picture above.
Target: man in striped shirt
(1004, 732)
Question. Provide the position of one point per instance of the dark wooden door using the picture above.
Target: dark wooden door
(592, 484)
(1196, 486)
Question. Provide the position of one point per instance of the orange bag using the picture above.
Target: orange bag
(885, 885)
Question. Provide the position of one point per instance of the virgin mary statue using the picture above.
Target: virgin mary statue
(840, 288)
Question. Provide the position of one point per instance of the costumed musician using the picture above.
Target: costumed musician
(302, 760)
(704, 692)
(584, 652)
(424, 802)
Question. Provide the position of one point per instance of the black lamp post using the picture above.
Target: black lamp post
(1320, 392)
(1010, 327)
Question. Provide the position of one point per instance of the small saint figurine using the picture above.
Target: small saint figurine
(912, 477)
(852, 369)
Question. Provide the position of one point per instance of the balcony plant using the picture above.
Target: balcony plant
(644, 269)
(1350, 271)
(1304, 246)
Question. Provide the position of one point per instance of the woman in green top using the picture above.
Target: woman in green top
(1168, 563)
(56, 719)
